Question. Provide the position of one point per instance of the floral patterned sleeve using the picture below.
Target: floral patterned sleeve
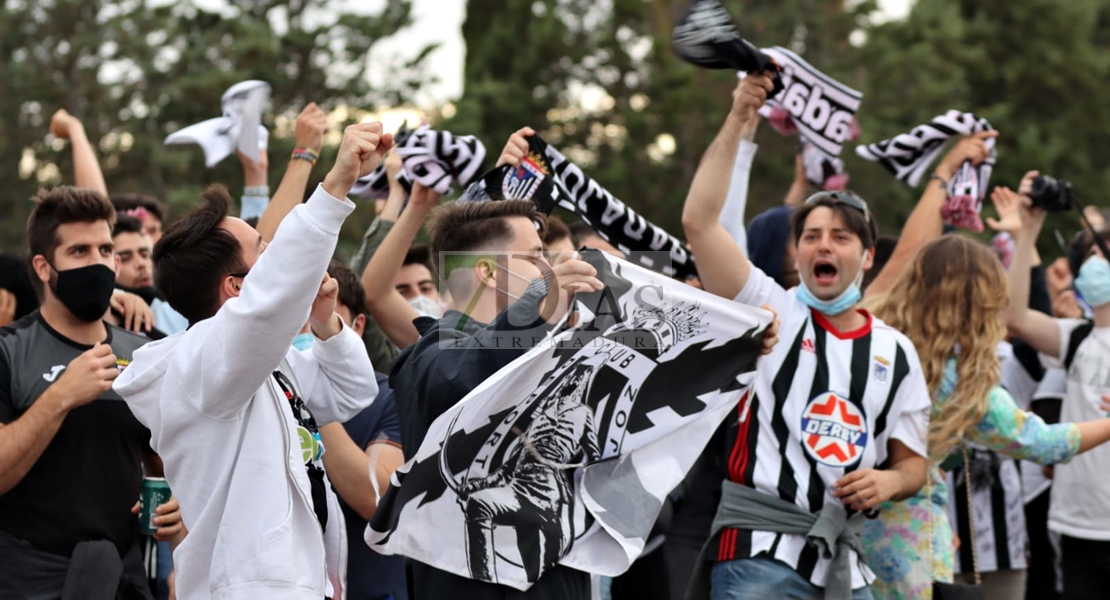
(1014, 432)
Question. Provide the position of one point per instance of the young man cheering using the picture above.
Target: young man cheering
(842, 395)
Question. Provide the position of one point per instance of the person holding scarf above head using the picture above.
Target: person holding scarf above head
(842, 395)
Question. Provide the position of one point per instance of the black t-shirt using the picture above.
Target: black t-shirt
(370, 575)
(86, 481)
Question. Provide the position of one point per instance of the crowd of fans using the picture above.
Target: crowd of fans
(226, 353)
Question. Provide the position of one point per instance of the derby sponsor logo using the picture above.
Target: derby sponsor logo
(834, 431)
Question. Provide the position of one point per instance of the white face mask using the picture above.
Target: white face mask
(426, 306)
(514, 274)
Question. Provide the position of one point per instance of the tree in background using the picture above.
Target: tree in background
(133, 71)
(1036, 69)
(599, 80)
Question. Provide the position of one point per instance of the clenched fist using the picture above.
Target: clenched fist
(361, 151)
(86, 377)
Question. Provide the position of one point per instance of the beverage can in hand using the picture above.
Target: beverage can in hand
(155, 493)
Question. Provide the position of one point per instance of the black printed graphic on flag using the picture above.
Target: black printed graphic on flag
(565, 456)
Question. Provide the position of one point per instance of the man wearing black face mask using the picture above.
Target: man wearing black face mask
(70, 450)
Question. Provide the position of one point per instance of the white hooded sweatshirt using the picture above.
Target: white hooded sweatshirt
(226, 433)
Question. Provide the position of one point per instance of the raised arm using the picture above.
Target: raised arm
(389, 210)
(86, 169)
(256, 188)
(736, 202)
(1035, 328)
(722, 266)
(251, 334)
(925, 223)
(311, 125)
(391, 311)
(798, 188)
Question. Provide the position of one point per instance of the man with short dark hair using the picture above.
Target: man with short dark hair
(234, 410)
(416, 280)
(501, 294)
(843, 395)
(70, 450)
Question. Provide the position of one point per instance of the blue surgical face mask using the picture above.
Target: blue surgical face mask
(845, 301)
(303, 341)
(1094, 281)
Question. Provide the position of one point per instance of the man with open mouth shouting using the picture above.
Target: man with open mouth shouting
(837, 420)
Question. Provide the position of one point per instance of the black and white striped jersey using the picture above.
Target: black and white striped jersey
(825, 403)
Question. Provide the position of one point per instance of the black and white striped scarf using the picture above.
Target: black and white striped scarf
(910, 155)
(549, 179)
(435, 159)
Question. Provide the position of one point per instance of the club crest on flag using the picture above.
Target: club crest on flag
(834, 430)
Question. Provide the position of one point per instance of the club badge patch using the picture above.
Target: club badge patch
(834, 431)
(522, 182)
(881, 369)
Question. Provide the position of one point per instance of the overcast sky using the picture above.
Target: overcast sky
(441, 20)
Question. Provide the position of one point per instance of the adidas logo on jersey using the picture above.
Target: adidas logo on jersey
(807, 346)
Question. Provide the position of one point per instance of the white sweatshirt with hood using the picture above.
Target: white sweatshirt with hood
(226, 433)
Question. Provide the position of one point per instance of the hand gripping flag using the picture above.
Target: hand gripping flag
(566, 455)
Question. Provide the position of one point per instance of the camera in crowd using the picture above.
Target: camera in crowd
(1051, 194)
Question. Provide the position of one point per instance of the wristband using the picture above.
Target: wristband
(258, 191)
(940, 179)
(304, 154)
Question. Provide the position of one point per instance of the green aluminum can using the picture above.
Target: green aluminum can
(155, 493)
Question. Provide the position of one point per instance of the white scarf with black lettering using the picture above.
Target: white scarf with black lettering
(434, 159)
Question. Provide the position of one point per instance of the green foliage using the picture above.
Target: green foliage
(1034, 68)
(135, 71)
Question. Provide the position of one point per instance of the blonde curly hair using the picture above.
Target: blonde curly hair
(952, 296)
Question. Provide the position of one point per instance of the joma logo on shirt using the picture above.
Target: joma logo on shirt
(53, 374)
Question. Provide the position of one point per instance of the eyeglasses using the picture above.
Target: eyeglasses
(843, 197)
(243, 274)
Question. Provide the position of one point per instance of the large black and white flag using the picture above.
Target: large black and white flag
(566, 455)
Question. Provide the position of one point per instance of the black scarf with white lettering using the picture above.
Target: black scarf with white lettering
(549, 179)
